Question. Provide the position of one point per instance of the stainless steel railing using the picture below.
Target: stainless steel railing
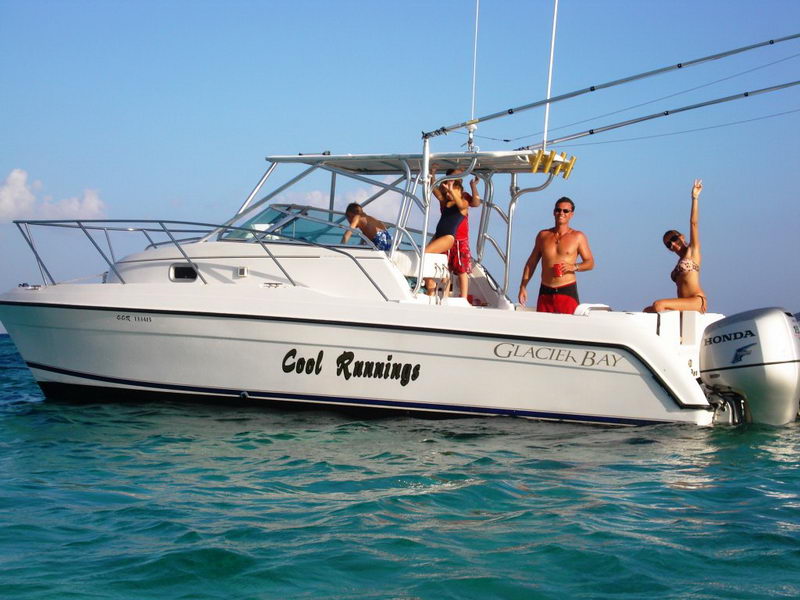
(173, 230)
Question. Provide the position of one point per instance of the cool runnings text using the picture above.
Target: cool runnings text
(348, 367)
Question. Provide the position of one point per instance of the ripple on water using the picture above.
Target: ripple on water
(156, 500)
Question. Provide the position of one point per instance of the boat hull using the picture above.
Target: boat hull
(362, 365)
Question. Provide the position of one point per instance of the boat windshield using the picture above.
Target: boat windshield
(282, 222)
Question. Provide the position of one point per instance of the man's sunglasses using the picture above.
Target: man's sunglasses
(562, 210)
(668, 243)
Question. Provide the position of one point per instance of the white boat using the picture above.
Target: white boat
(271, 308)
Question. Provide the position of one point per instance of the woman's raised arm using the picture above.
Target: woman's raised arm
(694, 217)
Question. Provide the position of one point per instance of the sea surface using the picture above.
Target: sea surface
(174, 501)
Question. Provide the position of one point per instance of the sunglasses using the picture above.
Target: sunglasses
(561, 210)
(668, 243)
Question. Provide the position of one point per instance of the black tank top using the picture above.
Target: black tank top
(448, 223)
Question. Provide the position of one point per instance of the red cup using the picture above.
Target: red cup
(557, 270)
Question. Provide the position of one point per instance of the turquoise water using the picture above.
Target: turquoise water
(193, 501)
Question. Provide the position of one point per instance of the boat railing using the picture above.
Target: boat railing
(410, 173)
(503, 248)
(150, 228)
(409, 177)
(337, 219)
(403, 233)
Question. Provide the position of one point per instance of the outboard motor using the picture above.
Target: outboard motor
(755, 356)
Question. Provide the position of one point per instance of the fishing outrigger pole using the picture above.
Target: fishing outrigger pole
(609, 84)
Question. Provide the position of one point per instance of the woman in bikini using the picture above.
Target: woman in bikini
(454, 207)
(686, 273)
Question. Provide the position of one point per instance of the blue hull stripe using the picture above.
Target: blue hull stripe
(350, 402)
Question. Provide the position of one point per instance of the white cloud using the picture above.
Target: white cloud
(316, 198)
(385, 208)
(312, 198)
(16, 197)
(19, 200)
(88, 207)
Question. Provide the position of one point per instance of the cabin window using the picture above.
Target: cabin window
(182, 273)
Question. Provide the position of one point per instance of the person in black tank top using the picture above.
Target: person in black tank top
(454, 209)
(449, 221)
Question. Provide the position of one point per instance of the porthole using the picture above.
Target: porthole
(182, 273)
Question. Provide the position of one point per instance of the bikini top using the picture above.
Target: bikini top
(685, 265)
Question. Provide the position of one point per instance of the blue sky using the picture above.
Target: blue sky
(154, 109)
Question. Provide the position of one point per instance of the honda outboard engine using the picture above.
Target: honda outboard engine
(755, 356)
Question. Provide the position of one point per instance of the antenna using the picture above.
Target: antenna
(549, 75)
(471, 129)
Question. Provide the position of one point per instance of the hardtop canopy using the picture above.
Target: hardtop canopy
(512, 161)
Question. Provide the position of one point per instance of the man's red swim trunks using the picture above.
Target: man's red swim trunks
(562, 299)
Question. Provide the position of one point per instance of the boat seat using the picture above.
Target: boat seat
(584, 309)
(456, 301)
(434, 265)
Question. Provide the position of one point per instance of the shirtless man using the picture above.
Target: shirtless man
(558, 248)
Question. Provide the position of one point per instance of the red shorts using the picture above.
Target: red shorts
(459, 260)
(562, 299)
